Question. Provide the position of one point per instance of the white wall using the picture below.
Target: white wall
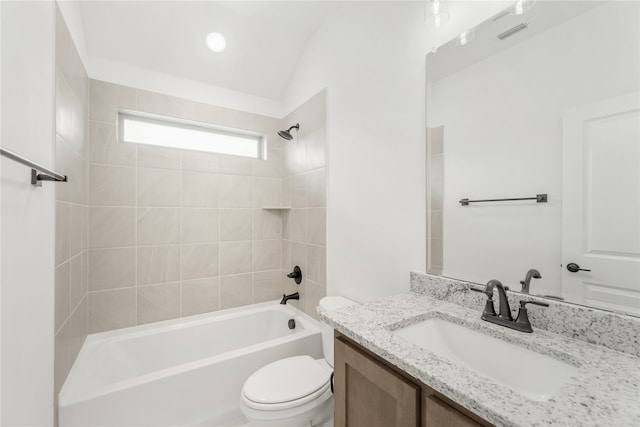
(27, 214)
(72, 13)
(503, 138)
(371, 58)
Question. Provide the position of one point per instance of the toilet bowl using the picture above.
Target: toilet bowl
(295, 391)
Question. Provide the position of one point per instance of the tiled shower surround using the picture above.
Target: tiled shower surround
(72, 211)
(174, 233)
(304, 190)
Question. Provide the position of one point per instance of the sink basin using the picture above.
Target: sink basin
(533, 375)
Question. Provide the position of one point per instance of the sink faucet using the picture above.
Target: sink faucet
(505, 310)
(504, 318)
(533, 273)
(286, 298)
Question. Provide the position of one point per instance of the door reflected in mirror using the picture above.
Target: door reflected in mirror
(545, 102)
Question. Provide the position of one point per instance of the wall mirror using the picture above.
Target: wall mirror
(539, 100)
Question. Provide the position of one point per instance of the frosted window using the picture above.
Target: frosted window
(187, 135)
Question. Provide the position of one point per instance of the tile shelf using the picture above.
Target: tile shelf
(276, 208)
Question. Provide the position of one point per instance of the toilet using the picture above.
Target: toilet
(295, 391)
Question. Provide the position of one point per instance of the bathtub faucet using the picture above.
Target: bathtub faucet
(286, 298)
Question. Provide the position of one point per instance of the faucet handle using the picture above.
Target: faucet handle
(523, 317)
(524, 303)
(296, 275)
(506, 288)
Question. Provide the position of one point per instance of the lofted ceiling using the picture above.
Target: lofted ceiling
(264, 39)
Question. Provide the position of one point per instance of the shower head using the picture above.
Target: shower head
(286, 134)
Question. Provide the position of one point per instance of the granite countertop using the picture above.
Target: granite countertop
(605, 391)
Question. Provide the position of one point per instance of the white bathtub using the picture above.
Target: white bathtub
(180, 372)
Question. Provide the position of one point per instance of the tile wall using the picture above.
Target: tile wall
(172, 232)
(304, 189)
(72, 211)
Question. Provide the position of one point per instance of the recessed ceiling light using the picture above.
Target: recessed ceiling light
(216, 42)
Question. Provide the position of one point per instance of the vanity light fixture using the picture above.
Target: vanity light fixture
(466, 37)
(521, 6)
(216, 42)
(512, 31)
(439, 13)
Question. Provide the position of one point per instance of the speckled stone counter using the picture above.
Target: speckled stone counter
(616, 331)
(605, 391)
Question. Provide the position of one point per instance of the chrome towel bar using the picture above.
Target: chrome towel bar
(540, 198)
(36, 178)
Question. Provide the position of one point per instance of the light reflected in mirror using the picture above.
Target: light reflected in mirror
(546, 102)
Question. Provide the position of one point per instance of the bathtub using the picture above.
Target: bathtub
(182, 372)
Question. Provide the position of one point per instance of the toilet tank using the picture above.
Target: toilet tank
(330, 303)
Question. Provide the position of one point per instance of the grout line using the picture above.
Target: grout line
(189, 170)
(136, 233)
(68, 144)
(71, 313)
(171, 207)
(102, 122)
(87, 192)
(72, 203)
(134, 205)
(151, 285)
(208, 172)
(99, 291)
(159, 245)
(219, 197)
(180, 187)
(68, 260)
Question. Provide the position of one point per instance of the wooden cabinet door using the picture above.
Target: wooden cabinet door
(368, 394)
(439, 414)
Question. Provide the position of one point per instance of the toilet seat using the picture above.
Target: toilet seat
(298, 380)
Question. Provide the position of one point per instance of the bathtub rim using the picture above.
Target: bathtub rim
(182, 322)
(310, 326)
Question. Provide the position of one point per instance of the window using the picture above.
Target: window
(151, 129)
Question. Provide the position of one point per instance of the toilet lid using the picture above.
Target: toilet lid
(286, 380)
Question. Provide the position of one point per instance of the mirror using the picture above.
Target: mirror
(540, 103)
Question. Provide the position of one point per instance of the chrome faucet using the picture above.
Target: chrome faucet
(531, 274)
(504, 318)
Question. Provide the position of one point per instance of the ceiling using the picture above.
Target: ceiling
(264, 39)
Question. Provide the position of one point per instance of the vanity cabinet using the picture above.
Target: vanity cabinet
(438, 413)
(367, 394)
(370, 392)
